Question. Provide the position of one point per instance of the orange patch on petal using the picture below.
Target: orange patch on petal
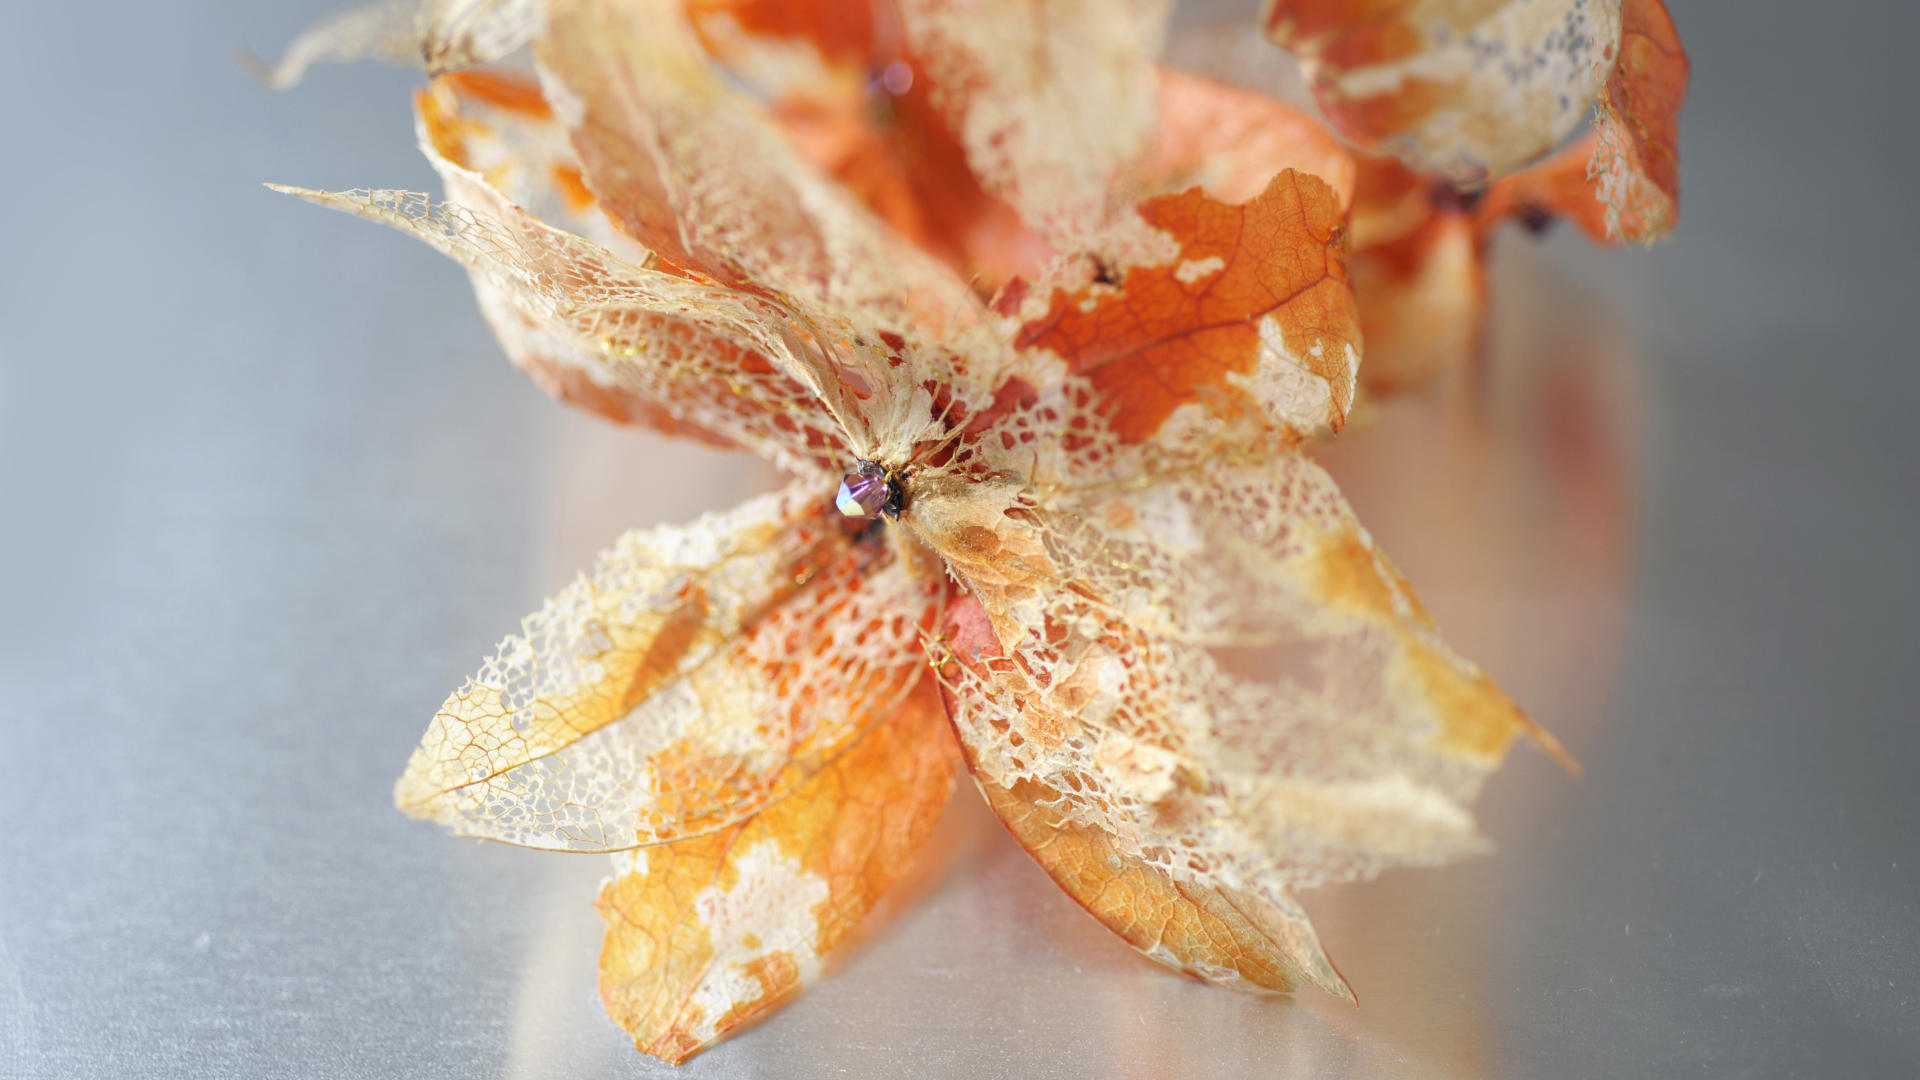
(1247, 277)
(892, 149)
(485, 730)
(502, 90)
(445, 128)
(1475, 717)
(1307, 20)
(842, 32)
(708, 934)
(896, 154)
(1352, 575)
(1372, 120)
(572, 187)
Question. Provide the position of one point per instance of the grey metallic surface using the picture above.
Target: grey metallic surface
(269, 491)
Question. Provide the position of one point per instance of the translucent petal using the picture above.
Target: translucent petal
(1218, 687)
(709, 934)
(1050, 98)
(695, 170)
(698, 674)
(439, 35)
(597, 326)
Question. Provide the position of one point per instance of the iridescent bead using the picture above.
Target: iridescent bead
(864, 491)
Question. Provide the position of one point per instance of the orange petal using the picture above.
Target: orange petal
(1637, 160)
(1253, 309)
(707, 935)
(895, 153)
(843, 33)
(1232, 141)
(1222, 936)
(700, 673)
(1558, 186)
(1622, 183)
(865, 112)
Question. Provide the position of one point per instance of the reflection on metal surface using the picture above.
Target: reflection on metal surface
(250, 556)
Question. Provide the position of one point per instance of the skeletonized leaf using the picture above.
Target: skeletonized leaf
(1050, 98)
(673, 362)
(1222, 935)
(708, 934)
(698, 674)
(616, 336)
(695, 170)
(1192, 685)
(1179, 790)
(858, 105)
(438, 35)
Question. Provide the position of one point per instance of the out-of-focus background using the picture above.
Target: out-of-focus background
(268, 491)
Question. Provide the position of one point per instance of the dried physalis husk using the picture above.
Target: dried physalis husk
(1464, 89)
(1448, 103)
(438, 35)
(1055, 526)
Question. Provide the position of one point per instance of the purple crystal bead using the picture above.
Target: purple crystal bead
(864, 490)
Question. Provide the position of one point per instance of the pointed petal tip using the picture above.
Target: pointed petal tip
(308, 194)
(404, 800)
(1318, 968)
(415, 797)
(672, 1050)
(261, 72)
(1545, 740)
